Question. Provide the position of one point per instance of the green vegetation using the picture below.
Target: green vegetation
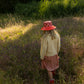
(43, 8)
(53, 8)
(20, 50)
(4, 79)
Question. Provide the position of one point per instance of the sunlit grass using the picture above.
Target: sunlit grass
(14, 32)
(79, 18)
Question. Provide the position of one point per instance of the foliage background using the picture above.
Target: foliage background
(43, 8)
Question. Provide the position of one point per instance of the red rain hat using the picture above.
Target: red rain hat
(48, 26)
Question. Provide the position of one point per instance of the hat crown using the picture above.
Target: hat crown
(47, 24)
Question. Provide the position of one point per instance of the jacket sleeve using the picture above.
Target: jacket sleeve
(58, 44)
(43, 49)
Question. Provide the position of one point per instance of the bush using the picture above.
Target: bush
(46, 9)
(29, 10)
(7, 5)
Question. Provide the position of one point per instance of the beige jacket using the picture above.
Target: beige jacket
(49, 47)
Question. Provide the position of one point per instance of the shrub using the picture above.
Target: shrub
(46, 9)
(7, 6)
(29, 10)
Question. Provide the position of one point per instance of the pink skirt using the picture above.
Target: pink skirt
(50, 63)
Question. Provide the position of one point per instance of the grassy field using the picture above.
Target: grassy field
(20, 50)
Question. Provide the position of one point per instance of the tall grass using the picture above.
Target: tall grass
(20, 47)
(4, 79)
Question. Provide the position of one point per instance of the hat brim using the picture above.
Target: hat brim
(48, 28)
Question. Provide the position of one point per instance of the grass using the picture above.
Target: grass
(20, 47)
(8, 80)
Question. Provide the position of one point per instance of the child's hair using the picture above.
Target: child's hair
(52, 33)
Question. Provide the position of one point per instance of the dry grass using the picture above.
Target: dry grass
(15, 31)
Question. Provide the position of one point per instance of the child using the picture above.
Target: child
(50, 46)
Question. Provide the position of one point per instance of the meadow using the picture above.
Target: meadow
(20, 50)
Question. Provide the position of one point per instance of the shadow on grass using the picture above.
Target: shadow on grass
(22, 56)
